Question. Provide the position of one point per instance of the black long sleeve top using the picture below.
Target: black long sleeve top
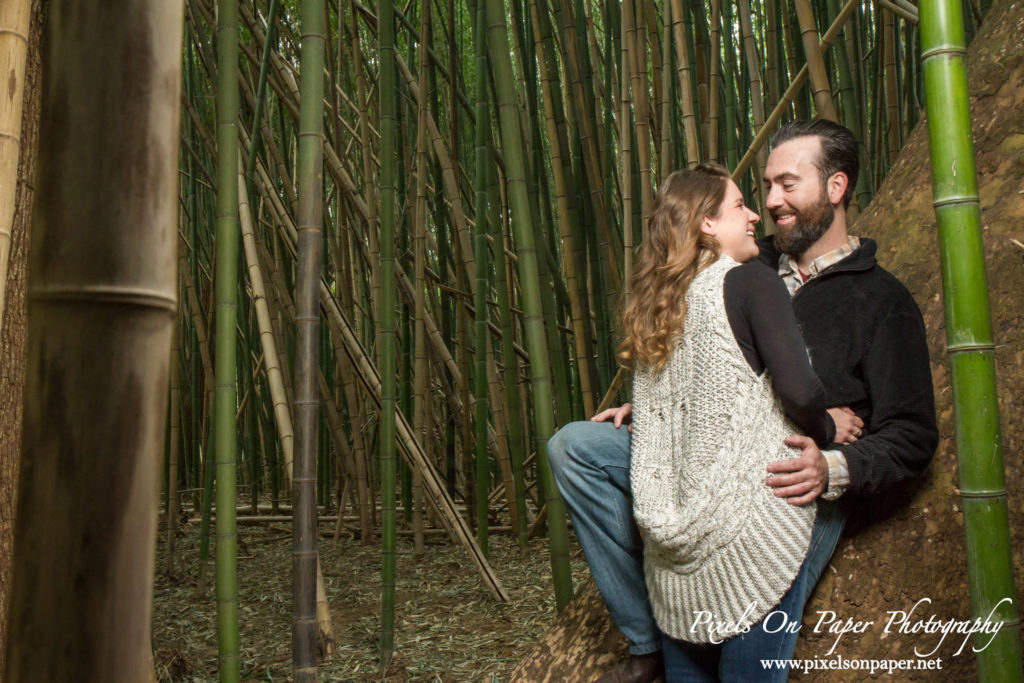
(761, 316)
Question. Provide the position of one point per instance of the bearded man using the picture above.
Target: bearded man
(866, 339)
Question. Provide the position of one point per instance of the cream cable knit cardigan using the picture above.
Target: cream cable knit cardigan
(720, 550)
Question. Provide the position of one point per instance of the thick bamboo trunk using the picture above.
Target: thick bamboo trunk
(14, 22)
(103, 289)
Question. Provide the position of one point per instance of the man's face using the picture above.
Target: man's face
(796, 198)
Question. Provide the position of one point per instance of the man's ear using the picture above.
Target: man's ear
(837, 184)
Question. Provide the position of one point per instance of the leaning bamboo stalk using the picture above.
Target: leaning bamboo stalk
(411, 447)
(103, 298)
(282, 415)
(753, 62)
(14, 22)
(787, 99)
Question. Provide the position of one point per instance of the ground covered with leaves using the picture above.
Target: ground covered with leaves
(447, 626)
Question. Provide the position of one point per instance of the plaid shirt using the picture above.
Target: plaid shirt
(791, 275)
(838, 470)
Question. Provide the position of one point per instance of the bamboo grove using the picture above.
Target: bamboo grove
(437, 204)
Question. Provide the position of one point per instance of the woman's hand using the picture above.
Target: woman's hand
(849, 427)
(618, 416)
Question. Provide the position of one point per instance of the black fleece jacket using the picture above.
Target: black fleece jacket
(866, 338)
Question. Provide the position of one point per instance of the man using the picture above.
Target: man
(866, 339)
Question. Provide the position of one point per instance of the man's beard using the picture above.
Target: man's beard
(807, 228)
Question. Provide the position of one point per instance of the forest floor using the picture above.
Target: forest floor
(447, 625)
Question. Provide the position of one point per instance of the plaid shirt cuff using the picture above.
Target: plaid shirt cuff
(838, 474)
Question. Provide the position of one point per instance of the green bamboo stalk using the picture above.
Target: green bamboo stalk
(103, 298)
(224, 401)
(969, 339)
(815, 63)
(307, 330)
(388, 110)
(515, 174)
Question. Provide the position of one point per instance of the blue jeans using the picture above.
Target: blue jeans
(590, 463)
(739, 658)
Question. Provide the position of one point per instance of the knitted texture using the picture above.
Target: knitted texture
(720, 550)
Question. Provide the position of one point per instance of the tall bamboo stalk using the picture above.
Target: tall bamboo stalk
(307, 331)
(14, 21)
(525, 250)
(969, 339)
(388, 110)
(102, 287)
(224, 399)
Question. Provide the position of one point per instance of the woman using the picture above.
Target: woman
(721, 376)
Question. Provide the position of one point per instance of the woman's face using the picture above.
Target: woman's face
(734, 226)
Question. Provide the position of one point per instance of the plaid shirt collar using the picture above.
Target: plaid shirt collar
(790, 274)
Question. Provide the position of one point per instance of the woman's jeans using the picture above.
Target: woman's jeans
(590, 463)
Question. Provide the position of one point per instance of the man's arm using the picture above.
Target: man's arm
(901, 434)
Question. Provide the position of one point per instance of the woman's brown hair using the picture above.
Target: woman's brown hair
(674, 251)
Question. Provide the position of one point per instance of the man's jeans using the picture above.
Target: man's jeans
(590, 463)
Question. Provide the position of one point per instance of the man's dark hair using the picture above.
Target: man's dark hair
(838, 149)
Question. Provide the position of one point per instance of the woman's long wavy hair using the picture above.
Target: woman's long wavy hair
(674, 251)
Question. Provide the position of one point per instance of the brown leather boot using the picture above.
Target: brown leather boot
(636, 669)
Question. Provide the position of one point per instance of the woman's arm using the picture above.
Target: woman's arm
(765, 327)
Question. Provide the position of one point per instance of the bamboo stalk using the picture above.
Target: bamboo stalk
(14, 23)
(969, 340)
(307, 332)
(103, 297)
(787, 99)
(815, 63)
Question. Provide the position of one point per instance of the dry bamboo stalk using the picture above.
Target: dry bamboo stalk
(664, 101)
(762, 135)
(411, 448)
(820, 87)
(683, 71)
(713, 79)
(281, 413)
(14, 21)
(642, 108)
(757, 103)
